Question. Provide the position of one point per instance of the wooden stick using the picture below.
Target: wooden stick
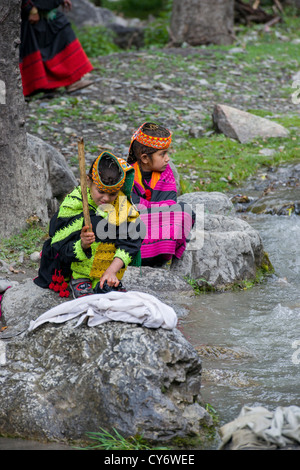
(83, 183)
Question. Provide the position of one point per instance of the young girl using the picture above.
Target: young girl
(168, 223)
(94, 260)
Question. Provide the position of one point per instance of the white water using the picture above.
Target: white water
(263, 321)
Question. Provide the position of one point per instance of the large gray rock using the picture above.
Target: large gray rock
(155, 280)
(60, 382)
(244, 126)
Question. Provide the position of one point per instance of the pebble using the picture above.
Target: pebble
(267, 152)
(35, 256)
(69, 130)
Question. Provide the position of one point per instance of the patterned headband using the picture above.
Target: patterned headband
(97, 178)
(149, 140)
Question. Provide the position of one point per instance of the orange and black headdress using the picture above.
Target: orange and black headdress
(158, 143)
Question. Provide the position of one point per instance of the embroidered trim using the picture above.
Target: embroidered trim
(72, 204)
(124, 256)
(79, 251)
(83, 268)
(68, 230)
(156, 175)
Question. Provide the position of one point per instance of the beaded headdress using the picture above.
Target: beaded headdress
(150, 141)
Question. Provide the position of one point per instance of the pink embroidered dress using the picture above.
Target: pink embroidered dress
(167, 222)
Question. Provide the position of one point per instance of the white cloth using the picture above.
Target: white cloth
(130, 307)
(258, 427)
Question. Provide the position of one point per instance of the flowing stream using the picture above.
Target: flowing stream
(258, 329)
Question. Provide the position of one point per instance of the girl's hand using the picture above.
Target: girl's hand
(87, 237)
(110, 275)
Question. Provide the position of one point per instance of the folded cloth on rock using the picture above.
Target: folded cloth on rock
(130, 307)
(259, 428)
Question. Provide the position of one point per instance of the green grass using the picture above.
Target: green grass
(96, 40)
(27, 241)
(105, 440)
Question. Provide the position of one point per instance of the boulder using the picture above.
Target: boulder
(160, 281)
(211, 203)
(59, 382)
(244, 126)
(222, 249)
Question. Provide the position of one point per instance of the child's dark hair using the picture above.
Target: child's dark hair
(137, 149)
(109, 171)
